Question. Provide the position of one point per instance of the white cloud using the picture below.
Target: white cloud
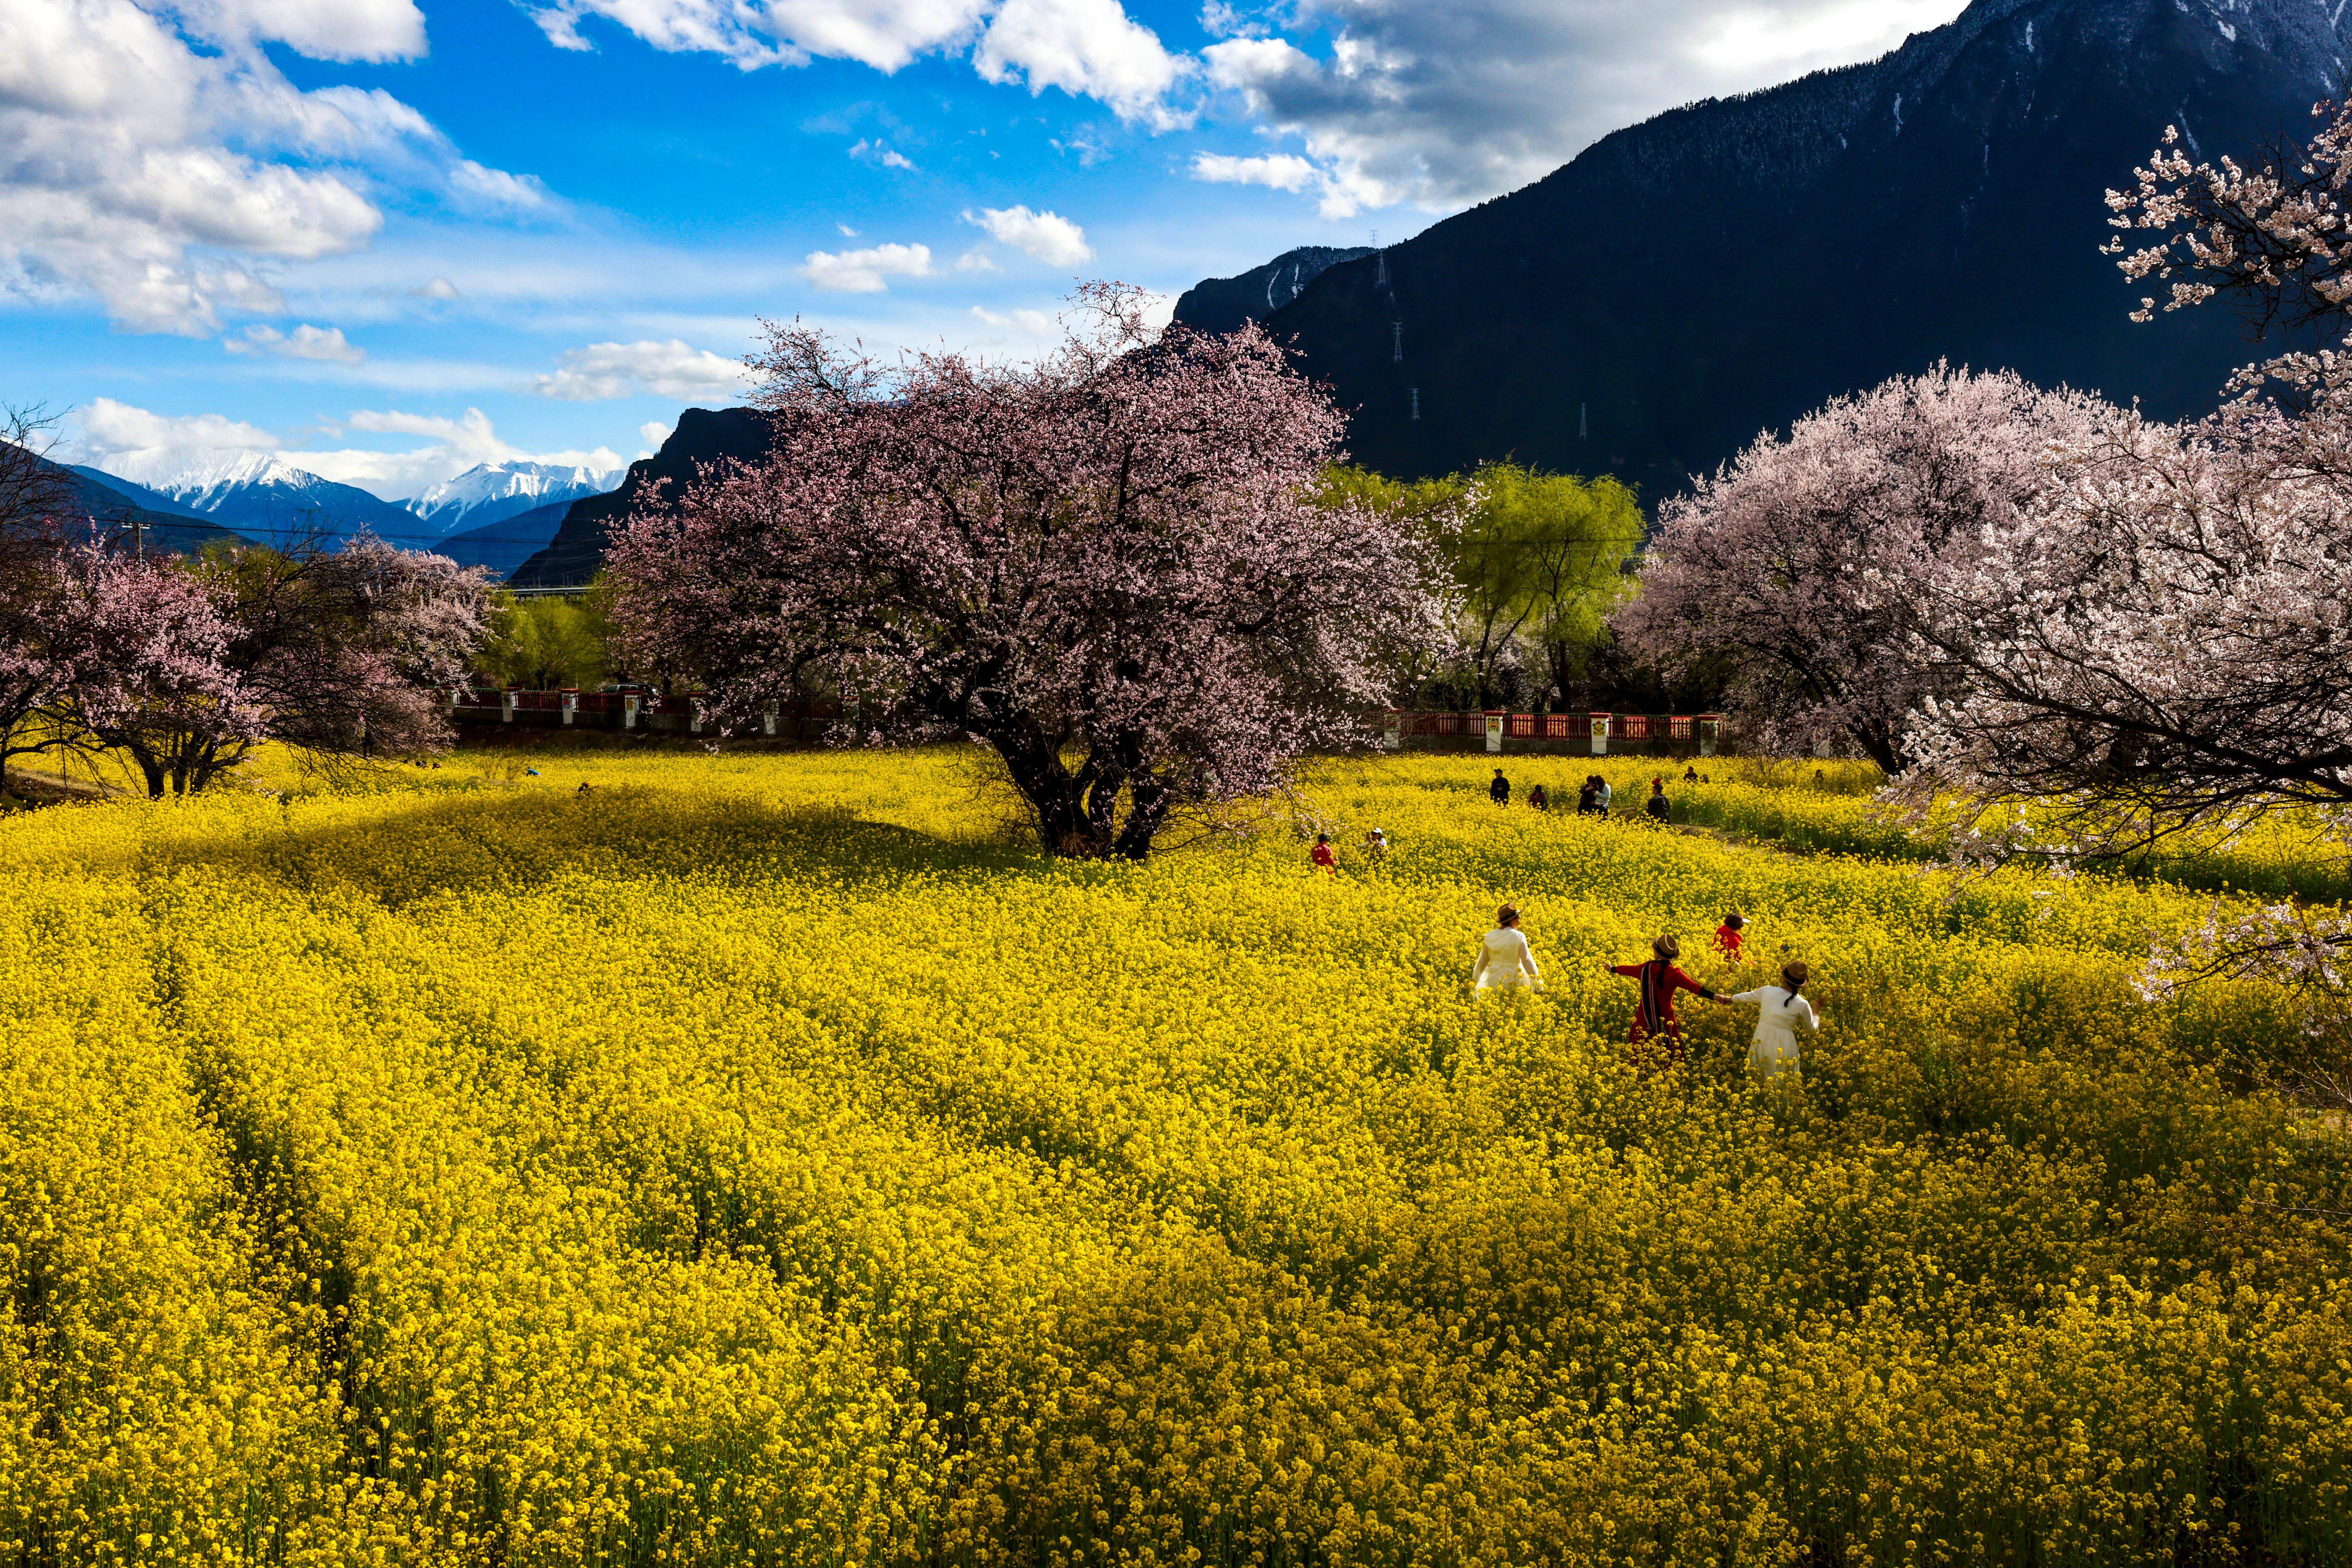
(323, 344)
(976, 260)
(1442, 106)
(1049, 237)
(1090, 47)
(749, 34)
(435, 288)
(157, 159)
(602, 372)
(846, 232)
(1282, 171)
(876, 153)
(654, 432)
(107, 426)
(112, 433)
(865, 271)
(1037, 323)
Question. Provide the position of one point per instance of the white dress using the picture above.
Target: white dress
(1774, 1049)
(1504, 960)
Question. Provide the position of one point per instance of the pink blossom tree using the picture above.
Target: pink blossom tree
(342, 653)
(1109, 566)
(1797, 560)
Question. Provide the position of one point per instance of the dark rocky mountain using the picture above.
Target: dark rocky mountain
(1728, 265)
(704, 435)
(1222, 304)
(508, 542)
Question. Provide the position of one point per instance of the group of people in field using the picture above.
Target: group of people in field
(1594, 797)
(1505, 961)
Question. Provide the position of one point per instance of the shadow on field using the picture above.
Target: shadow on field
(402, 849)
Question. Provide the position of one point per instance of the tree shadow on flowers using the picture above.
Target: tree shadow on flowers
(403, 849)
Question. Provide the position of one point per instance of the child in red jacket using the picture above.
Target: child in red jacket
(1728, 936)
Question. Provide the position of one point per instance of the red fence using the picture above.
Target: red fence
(676, 713)
(1605, 731)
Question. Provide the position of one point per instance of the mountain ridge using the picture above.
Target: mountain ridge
(1726, 265)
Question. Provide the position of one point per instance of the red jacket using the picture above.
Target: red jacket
(1323, 859)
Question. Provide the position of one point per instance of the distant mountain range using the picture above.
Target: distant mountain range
(488, 492)
(1726, 267)
(262, 495)
(257, 493)
(703, 435)
(114, 510)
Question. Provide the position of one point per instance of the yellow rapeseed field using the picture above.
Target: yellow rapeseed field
(765, 1160)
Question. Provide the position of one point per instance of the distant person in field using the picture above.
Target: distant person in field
(1587, 799)
(1690, 775)
(1537, 799)
(1654, 1012)
(1376, 845)
(1659, 808)
(1774, 1049)
(1323, 856)
(1505, 959)
(1728, 936)
(1602, 794)
(1499, 792)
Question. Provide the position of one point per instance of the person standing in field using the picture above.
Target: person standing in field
(1654, 1014)
(1728, 936)
(1601, 794)
(1499, 792)
(1659, 808)
(1773, 1052)
(1505, 960)
(1376, 845)
(1587, 799)
(1322, 857)
(1537, 799)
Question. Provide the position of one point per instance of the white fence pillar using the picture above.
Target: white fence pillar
(1494, 731)
(1392, 734)
(629, 711)
(570, 705)
(1600, 734)
(506, 706)
(766, 720)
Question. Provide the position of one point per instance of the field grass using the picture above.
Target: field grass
(766, 1159)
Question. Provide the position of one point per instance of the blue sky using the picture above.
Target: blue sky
(389, 238)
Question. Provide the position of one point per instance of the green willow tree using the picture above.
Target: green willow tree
(543, 644)
(1535, 558)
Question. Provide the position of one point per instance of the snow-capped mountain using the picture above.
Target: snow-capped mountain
(259, 493)
(491, 492)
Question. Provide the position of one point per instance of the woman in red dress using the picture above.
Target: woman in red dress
(1654, 1015)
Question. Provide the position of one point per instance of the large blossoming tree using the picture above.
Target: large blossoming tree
(1800, 559)
(1108, 566)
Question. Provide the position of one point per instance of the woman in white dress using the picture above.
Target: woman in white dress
(1505, 960)
(1774, 1049)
